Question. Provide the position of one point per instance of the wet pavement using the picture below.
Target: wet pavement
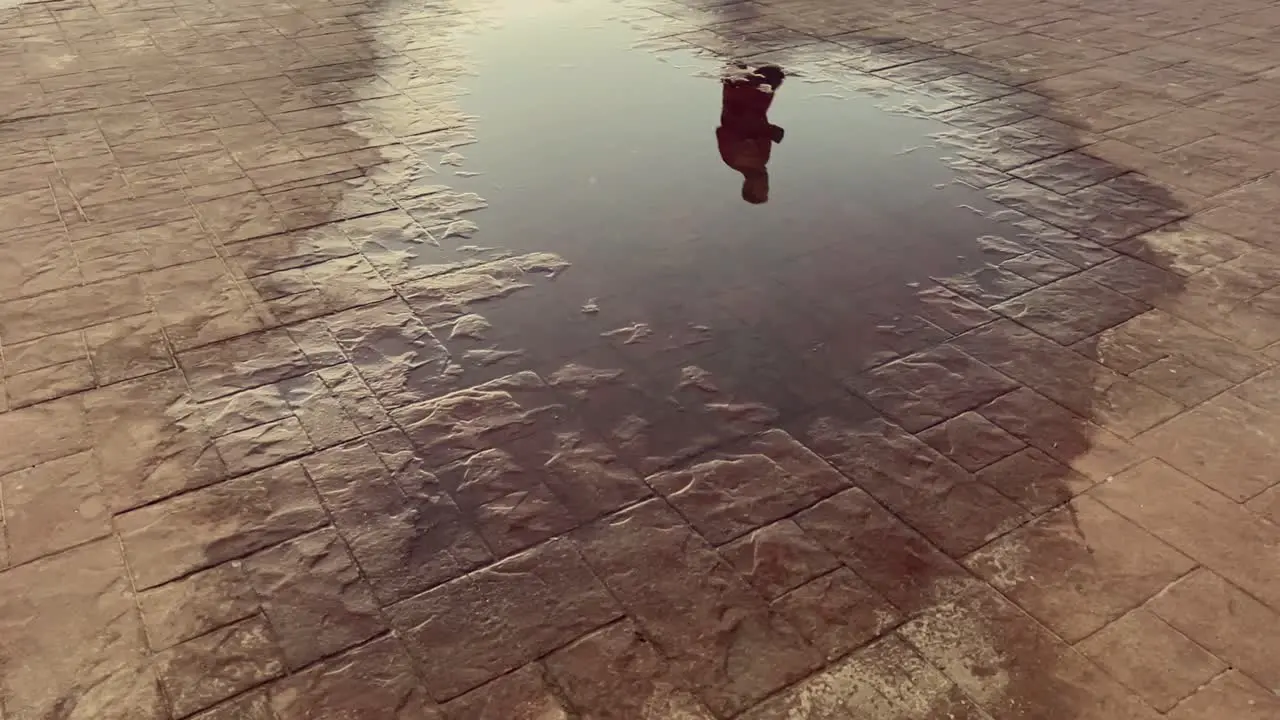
(470, 360)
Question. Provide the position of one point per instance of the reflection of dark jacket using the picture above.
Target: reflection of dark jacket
(745, 136)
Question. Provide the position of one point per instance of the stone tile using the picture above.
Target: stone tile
(41, 433)
(1039, 267)
(1151, 658)
(1078, 568)
(1229, 695)
(314, 597)
(971, 441)
(675, 601)
(394, 352)
(128, 348)
(42, 615)
(931, 386)
(1157, 334)
(1034, 480)
(589, 478)
(460, 423)
(49, 383)
(1062, 435)
(43, 352)
(744, 487)
(1184, 248)
(1070, 309)
(950, 311)
(778, 557)
(53, 506)
(521, 695)
(1224, 620)
(373, 680)
(255, 705)
(72, 308)
(993, 653)
(200, 303)
(1180, 380)
(211, 668)
(242, 363)
(989, 285)
(546, 596)
(264, 445)
(1209, 528)
(886, 679)
(218, 523)
(503, 493)
(616, 674)
(936, 497)
(1237, 465)
(404, 531)
(197, 604)
(837, 612)
(894, 559)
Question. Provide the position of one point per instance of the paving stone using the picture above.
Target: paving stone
(521, 695)
(402, 528)
(741, 488)
(314, 597)
(936, 497)
(53, 506)
(971, 441)
(218, 523)
(886, 679)
(778, 557)
(197, 604)
(1230, 694)
(1078, 568)
(546, 596)
(1180, 380)
(251, 706)
(1034, 480)
(453, 426)
(1225, 620)
(42, 615)
(589, 478)
(1207, 527)
(991, 650)
(1194, 443)
(373, 680)
(674, 602)
(932, 386)
(394, 352)
(45, 432)
(263, 446)
(616, 673)
(1070, 309)
(1151, 658)
(163, 448)
(127, 349)
(206, 670)
(242, 363)
(837, 612)
(989, 285)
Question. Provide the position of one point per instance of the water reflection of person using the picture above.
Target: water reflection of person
(745, 135)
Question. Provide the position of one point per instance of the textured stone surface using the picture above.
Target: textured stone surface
(314, 597)
(1126, 647)
(276, 378)
(218, 523)
(677, 589)
(1079, 567)
(546, 597)
(742, 488)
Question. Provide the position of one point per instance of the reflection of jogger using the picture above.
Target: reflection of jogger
(745, 135)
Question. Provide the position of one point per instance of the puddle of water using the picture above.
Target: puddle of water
(606, 153)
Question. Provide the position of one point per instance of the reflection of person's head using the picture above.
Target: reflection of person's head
(755, 187)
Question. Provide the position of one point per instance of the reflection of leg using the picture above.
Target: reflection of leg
(755, 186)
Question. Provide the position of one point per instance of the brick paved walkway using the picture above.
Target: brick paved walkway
(268, 449)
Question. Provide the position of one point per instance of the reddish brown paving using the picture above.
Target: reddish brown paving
(296, 422)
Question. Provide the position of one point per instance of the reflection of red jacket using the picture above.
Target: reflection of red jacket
(745, 136)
